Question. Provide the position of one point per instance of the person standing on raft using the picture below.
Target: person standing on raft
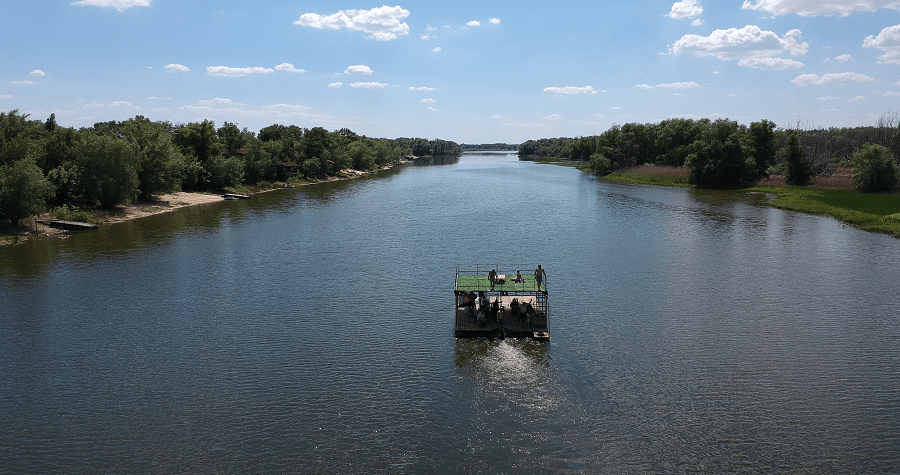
(539, 275)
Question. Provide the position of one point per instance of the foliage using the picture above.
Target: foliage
(24, 190)
(599, 164)
(874, 169)
(798, 168)
(762, 145)
(717, 159)
(109, 168)
(116, 162)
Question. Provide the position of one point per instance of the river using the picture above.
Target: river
(310, 330)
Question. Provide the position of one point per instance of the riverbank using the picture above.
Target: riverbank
(833, 196)
(37, 227)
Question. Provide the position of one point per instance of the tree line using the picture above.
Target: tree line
(724, 153)
(44, 165)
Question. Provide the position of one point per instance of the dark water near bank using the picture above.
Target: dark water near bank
(310, 331)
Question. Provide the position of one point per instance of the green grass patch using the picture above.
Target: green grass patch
(481, 282)
(647, 179)
(866, 211)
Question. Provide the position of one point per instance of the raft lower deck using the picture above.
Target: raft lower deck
(526, 325)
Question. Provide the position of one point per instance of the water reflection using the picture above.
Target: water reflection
(510, 373)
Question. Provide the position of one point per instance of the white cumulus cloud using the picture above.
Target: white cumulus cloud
(857, 99)
(217, 101)
(571, 90)
(289, 68)
(552, 117)
(336, 84)
(844, 58)
(225, 71)
(177, 68)
(889, 42)
(369, 85)
(754, 47)
(770, 63)
(37, 72)
(287, 108)
(121, 104)
(819, 7)
(671, 85)
(5, 96)
(495, 21)
(427, 101)
(382, 24)
(473, 23)
(437, 50)
(120, 5)
(358, 69)
(812, 79)
(686, 9)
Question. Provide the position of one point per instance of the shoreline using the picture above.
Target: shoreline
(36, 227)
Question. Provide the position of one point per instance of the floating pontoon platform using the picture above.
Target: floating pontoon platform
(71, 225)
(510, 310)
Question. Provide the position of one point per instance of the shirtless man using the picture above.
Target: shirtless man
(539, 275)
(492, 276)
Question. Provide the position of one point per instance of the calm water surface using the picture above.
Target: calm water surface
(310, 331)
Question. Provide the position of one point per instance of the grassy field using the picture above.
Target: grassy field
(869, 212)
(652, 175)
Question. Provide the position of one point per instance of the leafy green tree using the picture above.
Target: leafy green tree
(874, 169)
(109, 168)
(600, 164)
(762, 145)
(309, 168)
(198, 139)
(386, 151)
(717, 159)
(24, 190)
(161, 163)
(20, 138)
(798, 167)
(361, 156)
(66, 180)
(226, 172)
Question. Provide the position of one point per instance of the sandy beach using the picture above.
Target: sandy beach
(163, 204)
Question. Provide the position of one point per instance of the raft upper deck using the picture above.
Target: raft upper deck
(528, 319)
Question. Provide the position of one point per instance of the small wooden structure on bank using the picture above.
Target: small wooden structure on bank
(512, 309)
(71, 225)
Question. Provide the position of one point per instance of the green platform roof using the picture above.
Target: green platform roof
(480, 282)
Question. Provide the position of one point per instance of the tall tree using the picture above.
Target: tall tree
(24, 190)
(109, 168)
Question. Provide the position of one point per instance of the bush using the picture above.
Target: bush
(798, 168)
(874, 169)
(600, 164)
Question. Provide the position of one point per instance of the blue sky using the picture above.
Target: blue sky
(467, 71)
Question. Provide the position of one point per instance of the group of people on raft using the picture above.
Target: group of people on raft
(539, 275)
(487, 309)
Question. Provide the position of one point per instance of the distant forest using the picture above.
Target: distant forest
(721, 153)
(489, 147)
(44, 165)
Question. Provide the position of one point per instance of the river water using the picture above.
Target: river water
(311, 331)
